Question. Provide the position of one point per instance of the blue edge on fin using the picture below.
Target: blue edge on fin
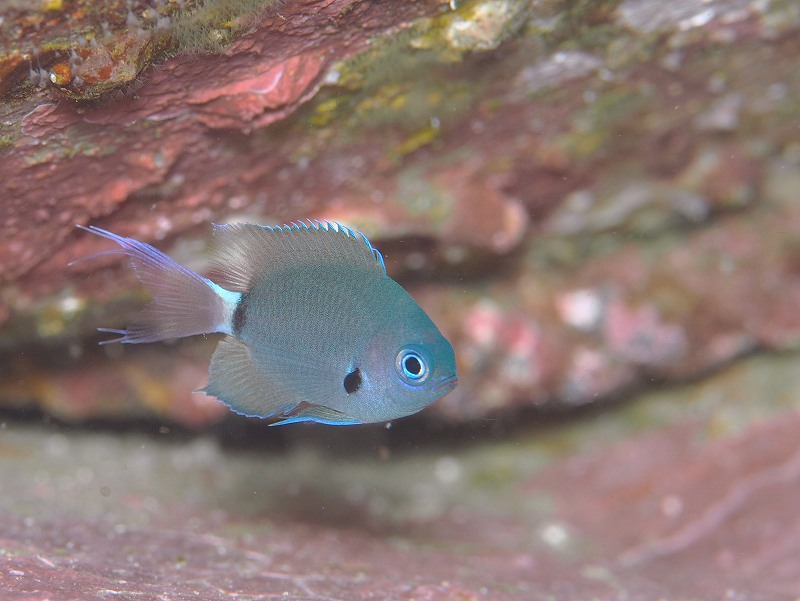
(305, 414)
(327, 226)
(306, 418)
(314, 413)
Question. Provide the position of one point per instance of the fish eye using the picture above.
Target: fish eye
(412, 366)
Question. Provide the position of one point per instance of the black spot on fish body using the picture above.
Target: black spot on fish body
(352, 381)
(239, 315)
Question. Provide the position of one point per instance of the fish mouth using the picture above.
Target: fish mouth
(446, 385)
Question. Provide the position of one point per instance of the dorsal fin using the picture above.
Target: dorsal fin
(242, 251)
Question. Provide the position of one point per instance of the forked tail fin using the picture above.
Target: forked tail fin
(184, 303)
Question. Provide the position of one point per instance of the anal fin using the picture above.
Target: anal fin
(320, 414)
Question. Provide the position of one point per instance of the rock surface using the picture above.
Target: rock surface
(587, 197)
(591, 198)
(684, 494)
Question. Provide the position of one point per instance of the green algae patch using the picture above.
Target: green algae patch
(413, 82)
(599, 127)
(478, 25)
(211, 25)
(6, 140)
(422, 198)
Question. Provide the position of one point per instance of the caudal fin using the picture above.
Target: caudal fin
(184, 303)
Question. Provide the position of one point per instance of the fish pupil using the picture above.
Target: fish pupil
(412, 365)
(352, 381)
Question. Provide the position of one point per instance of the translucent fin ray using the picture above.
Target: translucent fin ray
(243, 251)
(235, 380)
(319, 414)
(184, 303)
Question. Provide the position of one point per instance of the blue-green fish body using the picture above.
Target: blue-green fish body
(315, 328)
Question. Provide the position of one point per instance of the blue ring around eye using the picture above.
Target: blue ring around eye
(411, 366)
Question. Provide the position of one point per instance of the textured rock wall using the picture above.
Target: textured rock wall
(686, 494)
(588, 197)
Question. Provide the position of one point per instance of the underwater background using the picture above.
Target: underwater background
(595, 201)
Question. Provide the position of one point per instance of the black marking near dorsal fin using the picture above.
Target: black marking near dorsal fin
(243, 251)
